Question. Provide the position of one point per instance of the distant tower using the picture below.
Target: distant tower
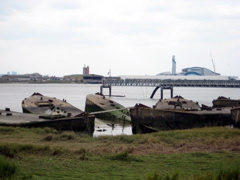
(173, 65)
(85, 70)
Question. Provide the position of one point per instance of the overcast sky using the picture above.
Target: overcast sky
(130, 37)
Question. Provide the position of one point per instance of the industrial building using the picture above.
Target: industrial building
(194, 71)
(91, 78)
(199, 71)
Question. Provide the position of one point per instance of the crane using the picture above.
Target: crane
(213, 64)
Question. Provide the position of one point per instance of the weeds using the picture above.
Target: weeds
(229, 174)
(83, 153)
(45, 130)
(57, 151)
(49, 154)
(11, 150)
(67, 136)
(200, 154)
(156, 176)
(6, 130)
(49, 137)
(7, 169)
(7, 151)
(125, 139)
(63, 136)
(123, 156)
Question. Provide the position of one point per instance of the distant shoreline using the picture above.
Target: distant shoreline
(40, 82)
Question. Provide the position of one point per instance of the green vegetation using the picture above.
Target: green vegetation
(7, 168)
(44, 153)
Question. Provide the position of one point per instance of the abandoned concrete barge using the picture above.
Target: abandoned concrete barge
(39, 104)
(105, 108)
(82, 123)
(176, 113)
(54, 113)
(235, 112)
(222, 101)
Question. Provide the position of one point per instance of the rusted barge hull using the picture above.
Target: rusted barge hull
(146, 119)
(222, 101)
(83, 123)
(113, 110)
(235, 112)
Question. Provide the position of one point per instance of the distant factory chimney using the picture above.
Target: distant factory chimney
(173, 65)
(85, 70)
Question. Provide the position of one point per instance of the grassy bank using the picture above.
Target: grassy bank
(205, 153)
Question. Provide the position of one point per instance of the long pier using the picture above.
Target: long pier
(169, 83)
(172, 82)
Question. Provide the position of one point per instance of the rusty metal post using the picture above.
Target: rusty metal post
(110, 90)
(161, 96)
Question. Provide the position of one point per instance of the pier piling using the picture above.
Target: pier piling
(109, 87)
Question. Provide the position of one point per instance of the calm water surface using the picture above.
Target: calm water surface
(11, 95)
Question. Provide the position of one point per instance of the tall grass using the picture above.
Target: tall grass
(49, 154)
(227, 174)
(6, 130)
(222, 174)
(155, 176)
(13, 150)
(7, 169)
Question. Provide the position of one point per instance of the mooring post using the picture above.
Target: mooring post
(161, 96)
(170, 88)
(171, 91)
(110, 90)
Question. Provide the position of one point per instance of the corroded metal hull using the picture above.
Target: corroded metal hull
(145, 119)
(235, 112)
(225, 102)
(113, 111)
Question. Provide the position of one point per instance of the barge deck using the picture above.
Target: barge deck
(83, 122)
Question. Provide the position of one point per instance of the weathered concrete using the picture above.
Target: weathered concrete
(39, 104)
(106, 108)
(83, 123)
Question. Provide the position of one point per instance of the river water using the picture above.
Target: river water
(11, 96)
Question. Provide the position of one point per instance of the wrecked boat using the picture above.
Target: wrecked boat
(176, 113)
(55, 113)
(105, 108)
(39, 104)
(82, 123)
(235, 112)
(222, 101)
